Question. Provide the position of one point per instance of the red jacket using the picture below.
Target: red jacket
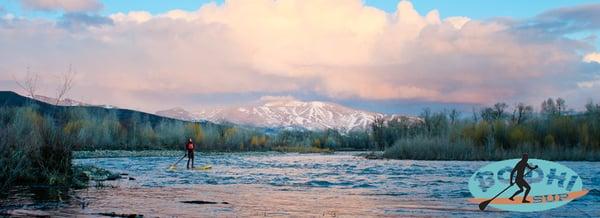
(189, 146)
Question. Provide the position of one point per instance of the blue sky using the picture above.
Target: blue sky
(476, 9)
(481, 9)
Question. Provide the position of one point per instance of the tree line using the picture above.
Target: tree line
(496, 132)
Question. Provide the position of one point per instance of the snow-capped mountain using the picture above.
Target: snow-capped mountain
(286, 113)
(178, 113)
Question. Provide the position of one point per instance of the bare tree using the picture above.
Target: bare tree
(66, 84)
(549, 107)
(475, 115)
(522, 113)
(29, 84)
(453, 115)
(554, 108)
(561, 106)
(487, 114)
(499, 110)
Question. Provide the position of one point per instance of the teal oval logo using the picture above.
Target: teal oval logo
(550, 185)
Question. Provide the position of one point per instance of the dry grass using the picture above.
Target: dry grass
(421, 148)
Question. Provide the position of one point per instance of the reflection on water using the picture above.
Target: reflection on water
(271, 184)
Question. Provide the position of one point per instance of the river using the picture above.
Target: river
(274, 184)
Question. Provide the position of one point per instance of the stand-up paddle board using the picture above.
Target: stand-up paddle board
(205, 167)
(534, 199)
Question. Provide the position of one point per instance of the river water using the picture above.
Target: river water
(274, 184)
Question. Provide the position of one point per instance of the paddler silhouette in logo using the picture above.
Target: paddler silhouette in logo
(519, 179)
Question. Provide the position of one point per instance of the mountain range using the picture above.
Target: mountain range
(270, 113)
(286, 113)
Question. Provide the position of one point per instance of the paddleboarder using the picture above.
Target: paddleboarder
(519, 179)
(189, 147)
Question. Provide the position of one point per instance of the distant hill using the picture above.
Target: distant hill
(67, 102)
(62, 102)
(12, 99)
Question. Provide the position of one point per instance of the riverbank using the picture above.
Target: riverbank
(440, 149)
(34, 199)
(423, 150)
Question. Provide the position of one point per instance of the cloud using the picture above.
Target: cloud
(7, 17)
(336, 49)
(594, 79)
(589, 84)
(76, 21)
(133, 16)
(457, 22)
(567, 19)
(62, 5)
(592, 57)
(269, 98)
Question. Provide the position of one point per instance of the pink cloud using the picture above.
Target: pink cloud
(338, 49)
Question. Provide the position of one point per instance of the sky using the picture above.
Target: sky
(376, 55)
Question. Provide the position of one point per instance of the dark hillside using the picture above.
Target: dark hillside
(11, 99)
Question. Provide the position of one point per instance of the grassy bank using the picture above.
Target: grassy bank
(31, 149)
(35, 151)
(420, 148)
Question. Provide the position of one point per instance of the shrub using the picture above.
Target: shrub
(31, 149)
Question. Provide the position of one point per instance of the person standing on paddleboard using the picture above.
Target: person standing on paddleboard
(189, 147)
(519, 179)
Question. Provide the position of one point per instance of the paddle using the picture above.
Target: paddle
(484, 204)
(173, 165)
